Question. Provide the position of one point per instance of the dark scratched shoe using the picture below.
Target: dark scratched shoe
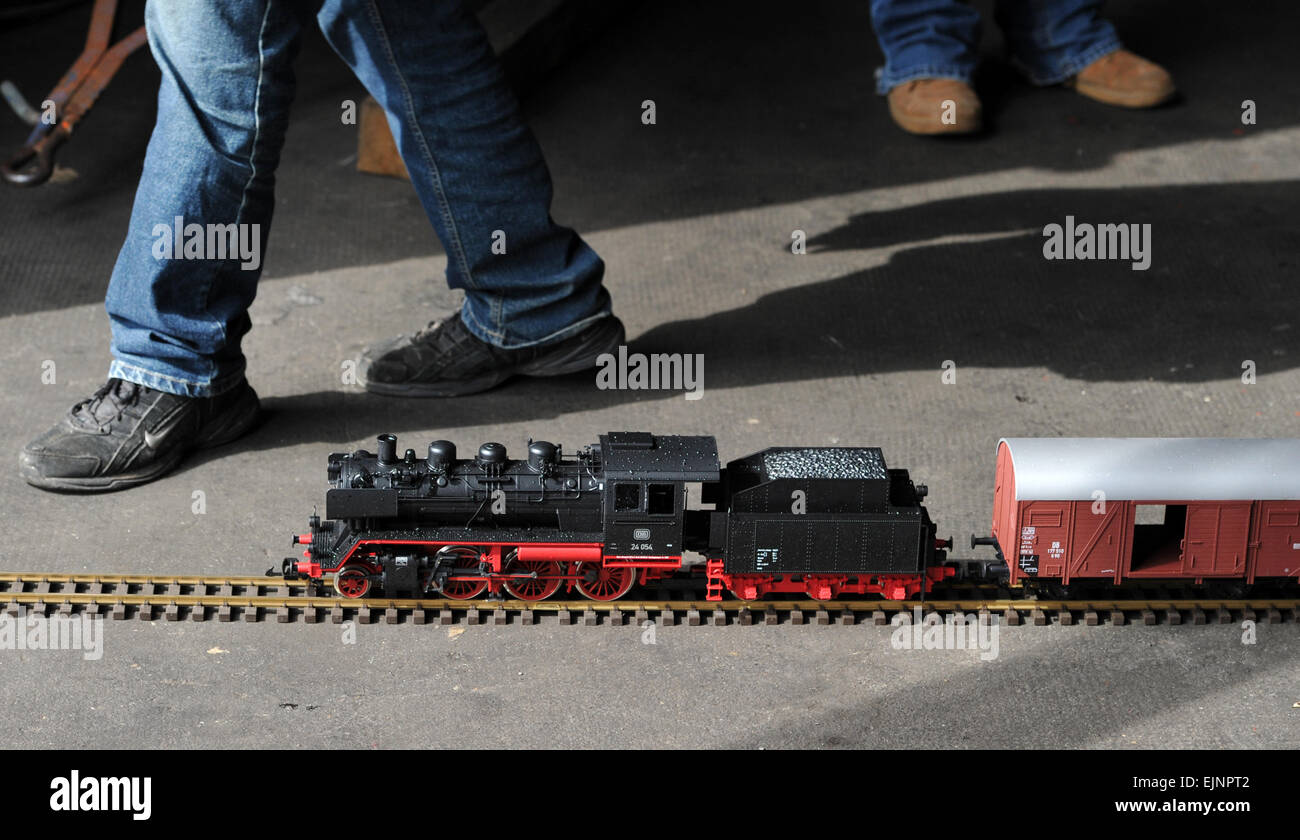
(446, 360)
(126, 434)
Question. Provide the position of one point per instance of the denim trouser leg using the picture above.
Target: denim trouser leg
(475, 165)
(222, 109)
(1052, 40)
(223, 106)
(925, 39)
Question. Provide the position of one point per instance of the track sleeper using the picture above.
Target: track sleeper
(822, 618)
(1091, 618)
(392, 616)
(641, 616)
(719, 618)
(1039, 618)
(1248, 614)
(1011, 617)
(745, 618)
(1148, 616)
(1223, 615)
(564, 616)
(879, 618)
(693, 617)
(472, 616)
(419, 616)
(1173, 616)
(446, 616)
(771, 617)
(500, 617)
(796, 616)
(119, 611)
(590, 618)
(847, 618)
(310, 615)
(337, 614)
(1065, 618)
(172, 612)
(667, 618)
(252, 614)
(527, 617)
(1198, 615)
(1117, 618)
(1274, 615)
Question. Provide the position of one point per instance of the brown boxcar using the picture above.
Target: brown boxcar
(1111, 509)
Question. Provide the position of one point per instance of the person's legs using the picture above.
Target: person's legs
(1055, 41)
(1052, 40)
(223, 107)
(177, 307)
(925, 39)
(930, 56)
(476, 167)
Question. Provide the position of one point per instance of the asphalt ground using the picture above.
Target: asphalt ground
(920, 252)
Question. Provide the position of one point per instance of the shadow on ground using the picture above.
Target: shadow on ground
(1199, 311)
(758, 103)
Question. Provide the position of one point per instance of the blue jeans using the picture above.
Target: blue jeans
(1049, 40)
(227, 81)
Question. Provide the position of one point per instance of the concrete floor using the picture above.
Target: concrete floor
(919, 252)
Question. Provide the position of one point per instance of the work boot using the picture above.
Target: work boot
(446, 360)
(1124, 79)
(935, 106)
(126, 434)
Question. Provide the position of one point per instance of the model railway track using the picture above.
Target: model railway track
(198, 598)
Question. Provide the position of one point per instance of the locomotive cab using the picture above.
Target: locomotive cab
(645, 494)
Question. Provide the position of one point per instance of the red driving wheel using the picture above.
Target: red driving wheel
(540, 588)
(463, 589)
(602, 583)
(352, 582)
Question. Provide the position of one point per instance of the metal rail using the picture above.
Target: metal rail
(254, 597)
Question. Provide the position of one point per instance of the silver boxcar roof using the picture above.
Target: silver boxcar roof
(1137, 469)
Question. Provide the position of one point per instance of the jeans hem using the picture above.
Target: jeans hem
(172, 384)
(1071, 67)
(498, 339)
(885, 82)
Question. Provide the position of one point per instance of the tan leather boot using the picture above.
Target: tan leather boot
(935, 106)
(1124, 79)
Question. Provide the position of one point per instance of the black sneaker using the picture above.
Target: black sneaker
(446, 360)
(126, 434)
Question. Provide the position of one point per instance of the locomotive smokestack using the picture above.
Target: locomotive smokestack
(387, 449)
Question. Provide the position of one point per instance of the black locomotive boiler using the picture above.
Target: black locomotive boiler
(634, 508)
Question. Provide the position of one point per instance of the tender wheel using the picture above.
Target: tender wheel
(463, 590)
(535, 589)
(352, 582)
(601, 583)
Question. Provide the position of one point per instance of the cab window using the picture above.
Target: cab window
(660, 499)
(627, 497)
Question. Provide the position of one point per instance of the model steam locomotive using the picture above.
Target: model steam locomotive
(820, 521)
(825, 522)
